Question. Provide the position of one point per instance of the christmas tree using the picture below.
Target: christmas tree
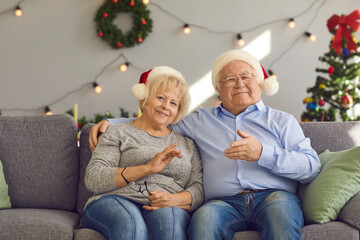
(336, 91)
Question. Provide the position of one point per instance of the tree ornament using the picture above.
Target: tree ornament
(307, 100)
(331, 70)
(312, 106)
(346, 52)
(321, 102)
(322, 86)
(343, 31)
(346, 101)
(142, 23)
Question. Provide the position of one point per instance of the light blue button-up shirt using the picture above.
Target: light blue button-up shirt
(287, 156)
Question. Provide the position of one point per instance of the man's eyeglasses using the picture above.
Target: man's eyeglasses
(140, 188)
(231, 81)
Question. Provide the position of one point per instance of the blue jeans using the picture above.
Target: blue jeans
(275, 214)
(117, 217)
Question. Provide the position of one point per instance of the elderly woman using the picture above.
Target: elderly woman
(145, 177)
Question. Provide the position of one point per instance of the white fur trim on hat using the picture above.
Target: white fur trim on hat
(270, 87)
(139, 89)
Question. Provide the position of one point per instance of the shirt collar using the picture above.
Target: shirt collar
(257, 106)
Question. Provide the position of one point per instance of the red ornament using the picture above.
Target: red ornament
(115, 1)
(118, 44)
(132, 3)
(331, 70)
(105, 15)
(343, 30)
(321, 102)
(139, 40)
(100, 34)
(79, 125)
(143, 21)
(346, 101)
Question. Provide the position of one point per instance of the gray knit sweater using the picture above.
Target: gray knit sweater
(124, 145)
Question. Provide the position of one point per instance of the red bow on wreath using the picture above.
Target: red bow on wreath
(343, 31)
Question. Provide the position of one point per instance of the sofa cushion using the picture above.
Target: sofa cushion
(4, 196)
(88, 234)
(338, 181)
(329, 231)
(37, 224)
(85, 155)
(40, 159)
(350, 213)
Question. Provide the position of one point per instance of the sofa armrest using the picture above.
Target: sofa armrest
(350, 213)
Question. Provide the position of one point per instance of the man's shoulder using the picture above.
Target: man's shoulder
(278, 113)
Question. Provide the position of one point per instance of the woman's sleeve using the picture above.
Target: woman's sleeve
(101, 170)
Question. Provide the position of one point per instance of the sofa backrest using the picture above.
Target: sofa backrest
(40, 159)
(85, 155)
(335, 136)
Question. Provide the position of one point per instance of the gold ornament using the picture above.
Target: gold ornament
(322, 86)
(307, 100)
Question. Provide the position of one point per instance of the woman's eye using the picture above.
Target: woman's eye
(174, 104)
(160, 97)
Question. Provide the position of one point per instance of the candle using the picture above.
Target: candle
(76, 113)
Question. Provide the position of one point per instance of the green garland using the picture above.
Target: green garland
(109, 32)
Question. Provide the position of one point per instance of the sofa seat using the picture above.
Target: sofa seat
(20, 223)
(88, 234)
(330, 231)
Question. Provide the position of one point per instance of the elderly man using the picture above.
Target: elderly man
(252, 156)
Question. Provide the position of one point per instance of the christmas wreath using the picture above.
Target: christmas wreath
(109, 32)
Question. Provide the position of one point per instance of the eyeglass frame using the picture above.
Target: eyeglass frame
(140, 191)
(230, 83)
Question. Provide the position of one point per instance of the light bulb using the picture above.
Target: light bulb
(312, 37)
(240, 40)
(291, 23)
(187, 29)
(272, 74)
(47, 110)
(124, 67)
(97, 88)
(145, 1)
(18, 11)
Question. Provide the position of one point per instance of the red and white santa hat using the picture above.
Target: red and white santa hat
(269, 85)
(139, 89)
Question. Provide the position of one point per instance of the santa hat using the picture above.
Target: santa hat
(269, 85)
(139, 90)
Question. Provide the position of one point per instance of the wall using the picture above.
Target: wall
(53, 50)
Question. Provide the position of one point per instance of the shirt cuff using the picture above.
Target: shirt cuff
(267, 157)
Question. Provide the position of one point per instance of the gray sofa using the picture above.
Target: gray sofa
(44, 168)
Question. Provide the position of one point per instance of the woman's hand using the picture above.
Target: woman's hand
(161, 199)
(161, 159)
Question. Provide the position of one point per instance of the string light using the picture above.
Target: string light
(291, 23)
(97, 88)
(312, 37)
(47, 110)
(18, 11)
(187, 29)
(240, 40)
(124, 66)
(272, 74)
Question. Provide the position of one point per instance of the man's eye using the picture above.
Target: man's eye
(231, 80)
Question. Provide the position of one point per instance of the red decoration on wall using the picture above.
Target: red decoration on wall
(344, 22)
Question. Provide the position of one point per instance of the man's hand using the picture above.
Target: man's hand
(100, 127)
(248, 148)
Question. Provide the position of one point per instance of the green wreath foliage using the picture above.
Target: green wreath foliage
(109, 32)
